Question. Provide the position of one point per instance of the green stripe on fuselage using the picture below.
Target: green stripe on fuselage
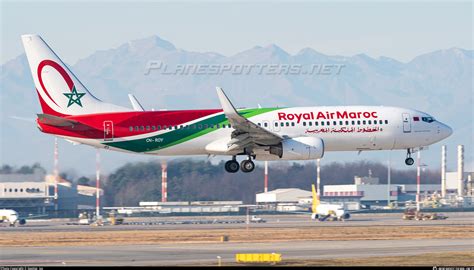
(180, 135)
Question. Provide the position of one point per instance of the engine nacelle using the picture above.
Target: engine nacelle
(299, 148)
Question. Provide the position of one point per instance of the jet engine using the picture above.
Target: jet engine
(299, 148)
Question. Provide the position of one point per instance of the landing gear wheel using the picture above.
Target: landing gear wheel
(247, 165)
(232, 166)
(409, 161)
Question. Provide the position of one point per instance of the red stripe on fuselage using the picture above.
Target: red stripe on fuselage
(92, 125)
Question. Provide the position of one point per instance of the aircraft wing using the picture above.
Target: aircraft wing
(246, 133)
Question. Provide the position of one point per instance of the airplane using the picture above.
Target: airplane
(323, 211)
(11, 216)
(70, 111)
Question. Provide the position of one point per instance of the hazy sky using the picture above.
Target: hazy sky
(399, 30)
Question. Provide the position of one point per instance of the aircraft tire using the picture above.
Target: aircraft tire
(232, 166)
(247, 165)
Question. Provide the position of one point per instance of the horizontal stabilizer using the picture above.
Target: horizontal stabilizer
(57, 121)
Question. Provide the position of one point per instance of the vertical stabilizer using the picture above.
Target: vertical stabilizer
(59, 91)
(315, 199)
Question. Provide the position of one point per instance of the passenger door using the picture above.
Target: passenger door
(406, 122)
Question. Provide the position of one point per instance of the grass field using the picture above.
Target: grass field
(135, 237)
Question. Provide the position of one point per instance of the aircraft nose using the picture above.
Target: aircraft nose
(446, 131)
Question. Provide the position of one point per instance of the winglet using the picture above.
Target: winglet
(135, 103)
(227, 106)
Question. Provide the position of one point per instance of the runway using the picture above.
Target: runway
(333, 241)
(179, 254)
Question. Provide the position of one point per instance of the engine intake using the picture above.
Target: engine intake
(299, 148)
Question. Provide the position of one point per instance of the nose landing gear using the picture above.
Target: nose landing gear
(409, 160)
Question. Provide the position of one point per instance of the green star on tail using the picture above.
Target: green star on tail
(74, 97)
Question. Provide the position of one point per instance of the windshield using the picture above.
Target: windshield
(427, 119)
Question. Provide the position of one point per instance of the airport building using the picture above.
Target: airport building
(181, 208)
(25, 192)
(366, 191)
(34, 194)
(282, 195)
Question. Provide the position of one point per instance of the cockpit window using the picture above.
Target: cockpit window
(427, 119)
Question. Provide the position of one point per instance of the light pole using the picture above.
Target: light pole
(418, 178)
(318, 178)
(389, 175)
(97, 184)
(265, 184)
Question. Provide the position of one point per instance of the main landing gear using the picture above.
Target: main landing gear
(232, 166)
(409, 160)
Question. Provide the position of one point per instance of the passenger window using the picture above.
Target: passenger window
(153, 128)
(205, 126)
(199, 126)
(353, 122)
(341, 123)
(287, 124)
(142, 128)
(292, 124)
(259, 124)
(358, 122)
(334, 123)
(282, 124)
(276, 124)
(316, 123)
(370, 122)
(148, 128)
(136, 128)
(347, 123)
(130, 128)
(363, 122)
(328, 123)
(265, 124)
(304, 124)
(310, 123)
(322, 123)
(386, 121)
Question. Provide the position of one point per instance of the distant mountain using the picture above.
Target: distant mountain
(440, 83)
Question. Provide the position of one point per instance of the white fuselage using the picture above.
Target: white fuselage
(8, 215)
(342, 128)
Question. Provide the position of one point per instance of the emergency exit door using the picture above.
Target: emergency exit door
(108, 131)
(406, 122)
